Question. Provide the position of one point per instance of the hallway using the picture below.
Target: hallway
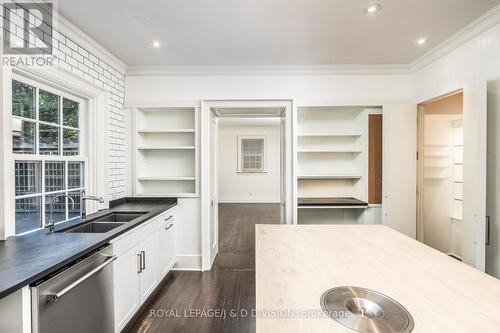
(229, 288)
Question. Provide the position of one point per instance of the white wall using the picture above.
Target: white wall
(468, 67)
(248, 187)
(83, 57)
(378, 89)
(297, 87)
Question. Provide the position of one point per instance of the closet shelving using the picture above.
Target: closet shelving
(331, 163)
(458, 144)
(436, 162)
(166, 145)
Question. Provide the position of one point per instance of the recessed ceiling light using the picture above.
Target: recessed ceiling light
(373, 8)
(155, 44)
(422, 41)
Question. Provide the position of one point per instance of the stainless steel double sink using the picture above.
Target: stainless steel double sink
(104, 223)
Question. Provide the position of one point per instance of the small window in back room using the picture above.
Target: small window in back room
(251, 154)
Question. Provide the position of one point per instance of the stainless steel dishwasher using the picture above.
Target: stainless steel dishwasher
(77, 299)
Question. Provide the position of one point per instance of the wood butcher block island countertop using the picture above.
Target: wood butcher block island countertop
(295, 265)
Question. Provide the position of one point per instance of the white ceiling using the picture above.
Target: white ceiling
(269, 32)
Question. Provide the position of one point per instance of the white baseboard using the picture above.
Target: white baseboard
(188, 263)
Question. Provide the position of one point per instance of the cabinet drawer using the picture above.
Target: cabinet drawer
(136, 235)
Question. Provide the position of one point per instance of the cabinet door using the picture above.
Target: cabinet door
(148, 278)
(399, 181)
(167, 245)
(126, 287)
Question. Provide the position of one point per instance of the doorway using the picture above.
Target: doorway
(440, 174)
(249, 164)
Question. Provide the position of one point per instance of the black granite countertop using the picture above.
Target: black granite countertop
(26, 259)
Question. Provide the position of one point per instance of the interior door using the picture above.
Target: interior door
(214, 181)
(283, 174)
(493, 182)
(399, 181)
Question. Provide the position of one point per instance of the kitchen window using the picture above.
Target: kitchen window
(251, 154)
(47, 143)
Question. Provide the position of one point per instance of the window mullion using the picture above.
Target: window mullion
(37, 125)
(66, 183)
(61, 132)
(42, 200)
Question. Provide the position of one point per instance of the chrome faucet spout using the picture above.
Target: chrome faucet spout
(83, 206)
(50, 224)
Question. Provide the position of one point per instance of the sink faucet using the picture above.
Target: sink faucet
(83, 207)
(50, 224)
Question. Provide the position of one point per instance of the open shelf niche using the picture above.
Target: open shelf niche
(332, 162)
(166, 150)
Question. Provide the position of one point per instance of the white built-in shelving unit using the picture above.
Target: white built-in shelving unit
(166, 151)
(332, 161)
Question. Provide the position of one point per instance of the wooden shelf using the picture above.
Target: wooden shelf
(436, 167)
(331, 203)
(331, 151)
(145, 131)
(347, 135)
(325, 177)
(332, 207)
(165, 148)
(164, 178)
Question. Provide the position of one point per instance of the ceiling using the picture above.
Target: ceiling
(269, 32)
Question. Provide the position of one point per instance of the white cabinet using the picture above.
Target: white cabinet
(148, 274)
(167, 245)
(145, 256)
(126, 291)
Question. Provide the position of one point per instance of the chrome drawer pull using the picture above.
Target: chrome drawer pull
(143, 255)
(169, 218)
(139, 263)
(55, 297)
(169, 226)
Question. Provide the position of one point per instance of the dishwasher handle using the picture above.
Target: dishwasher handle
(56, 296)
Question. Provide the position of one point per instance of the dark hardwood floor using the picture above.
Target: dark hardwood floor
(221, 296)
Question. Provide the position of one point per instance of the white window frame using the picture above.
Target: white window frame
(37, 157)
(240, 153)
(98, 106)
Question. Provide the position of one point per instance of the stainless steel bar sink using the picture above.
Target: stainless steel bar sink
(104, 223)
(94, 227)
(366, 311)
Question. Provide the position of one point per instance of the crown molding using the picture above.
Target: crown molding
(473, 29)
(267, 70)
(72, 32)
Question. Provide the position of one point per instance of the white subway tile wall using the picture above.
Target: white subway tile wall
(82, 62)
